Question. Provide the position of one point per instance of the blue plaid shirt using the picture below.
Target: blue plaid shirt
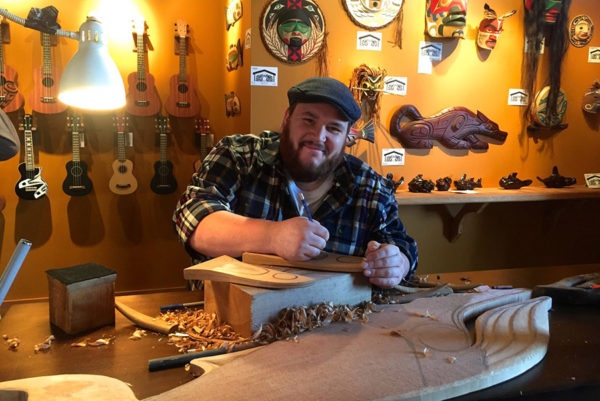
(243, 174)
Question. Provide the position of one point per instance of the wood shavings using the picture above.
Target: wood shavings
(198, 330)
(425, 315)
(96, 343)
(80, 344)
(451, 359)
(397, 333)
(293, 321)
(138, 334)
(424, 353)
(12, 343)
(44, 346)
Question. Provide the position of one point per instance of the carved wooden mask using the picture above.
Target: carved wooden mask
(446, 18)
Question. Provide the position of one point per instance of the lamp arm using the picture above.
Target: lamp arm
(21, 21)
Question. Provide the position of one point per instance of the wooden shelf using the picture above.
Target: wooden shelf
(454, 206)
(489, 195)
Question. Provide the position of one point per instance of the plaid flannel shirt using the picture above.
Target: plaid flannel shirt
(243, 174)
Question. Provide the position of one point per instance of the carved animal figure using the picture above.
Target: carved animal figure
(591, 98)
(454, 127)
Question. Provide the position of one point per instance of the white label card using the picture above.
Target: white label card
(263, 76)
(594, 55)
(428, 52)
(392, 157)
(366, 40)
(592, 180)
(395, 85)
(517, 97)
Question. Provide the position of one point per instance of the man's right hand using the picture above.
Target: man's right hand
(298, 238)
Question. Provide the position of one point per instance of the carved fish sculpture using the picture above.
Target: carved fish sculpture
(454, 127)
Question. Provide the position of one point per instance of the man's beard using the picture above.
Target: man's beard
(292, 163)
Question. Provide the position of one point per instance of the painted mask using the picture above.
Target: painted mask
(366, 85)
(552, 9)
(234, 12)
(581, 30)
(591, 98)
(293, 30)
(446, 18)
(490, 28)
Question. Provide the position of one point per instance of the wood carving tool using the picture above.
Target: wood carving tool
(145, 321)
(166, 308)
(14, 264)
(180, 360)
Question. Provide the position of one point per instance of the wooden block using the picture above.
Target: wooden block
(228, 269)
(82, 297)
(247, 308)
(325, 261)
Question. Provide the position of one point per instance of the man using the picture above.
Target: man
(245, 195)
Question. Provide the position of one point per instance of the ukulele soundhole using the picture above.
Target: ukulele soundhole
(122, 169)
(182, 88)
(141, 86)
(76, 171)
(48, 82)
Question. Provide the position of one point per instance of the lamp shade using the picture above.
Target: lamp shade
(91, 79)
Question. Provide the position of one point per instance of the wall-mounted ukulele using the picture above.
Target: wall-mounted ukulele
(202, 129)
(10, 97)
(31, 185)
(44, 98)
(182, 100)
(122, 181)
(77, 182)
(142, 99)
(163, 181)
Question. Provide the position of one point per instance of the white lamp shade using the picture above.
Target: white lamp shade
(91, 80)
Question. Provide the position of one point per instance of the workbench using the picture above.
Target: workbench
(571, 365)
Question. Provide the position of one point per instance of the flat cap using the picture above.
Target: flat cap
(326, 90)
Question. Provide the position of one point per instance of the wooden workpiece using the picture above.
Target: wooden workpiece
(417, 351)
(246, 308)
(325, 262)
(230, 270)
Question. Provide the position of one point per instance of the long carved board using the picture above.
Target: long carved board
(431, 356)
(326, 261)
(228, 269)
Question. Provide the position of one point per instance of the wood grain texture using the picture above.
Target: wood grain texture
(246, 308)
(66, 387)
(365, 361)
(227, 269)
(145, 321)
(326, 262)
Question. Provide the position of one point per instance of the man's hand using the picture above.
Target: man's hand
(298, 238)
(385, 265)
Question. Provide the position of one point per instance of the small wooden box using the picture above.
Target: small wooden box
(246, 308)
(82, 297)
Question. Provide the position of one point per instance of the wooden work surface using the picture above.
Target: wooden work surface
(486, 195)
(571, 365)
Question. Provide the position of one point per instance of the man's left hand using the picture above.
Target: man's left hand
(385, 264)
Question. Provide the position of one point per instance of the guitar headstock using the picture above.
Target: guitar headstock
(181, 28)
(162, 124)
(75, 122)
(27, 123)
(139, 25)
(121, 123)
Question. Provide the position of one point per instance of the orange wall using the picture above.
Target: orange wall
(502, 235)
(130, 234)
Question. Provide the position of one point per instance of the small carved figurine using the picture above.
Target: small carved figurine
(466, 185)
(454, 127)
(512, 182)
(591, 98)
(556, 180)
(443, 184)
(418, 184)
(395, 184)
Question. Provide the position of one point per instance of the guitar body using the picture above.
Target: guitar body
(182, 100)
(44, 98)
(142, 99)
(13, 99)
(122, 182)
(163, 181)
(77, 182)
(31, 188)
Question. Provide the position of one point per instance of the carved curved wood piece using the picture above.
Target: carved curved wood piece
(454, 127)
(66, 387)
(432, 358)
(228, 269)
(332, 262)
